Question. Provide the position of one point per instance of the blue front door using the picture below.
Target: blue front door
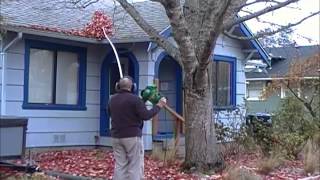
(170, 82)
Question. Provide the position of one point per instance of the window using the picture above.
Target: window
(255, 89)
(54, 76)
(286, 92)
(223, 85)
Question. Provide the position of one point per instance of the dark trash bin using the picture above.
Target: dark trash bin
(12, 137)
(263, 119)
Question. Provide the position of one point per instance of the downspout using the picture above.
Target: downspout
(3, 50)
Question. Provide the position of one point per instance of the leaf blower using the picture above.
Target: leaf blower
(151, 94)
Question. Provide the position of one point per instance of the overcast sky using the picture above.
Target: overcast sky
(309, 28)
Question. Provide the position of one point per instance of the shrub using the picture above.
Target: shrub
(262, 134)
(232, 138)
(222, 131)
(291, 128)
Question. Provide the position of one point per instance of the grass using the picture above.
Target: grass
(35, 176)
(267, 165)
(237, 173)
(166, 155)
(311, 156)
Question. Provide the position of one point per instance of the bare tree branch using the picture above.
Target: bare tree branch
(259, 13)
(211, 26)
(255, 2)
(159, 1)
(312, 97)
(306, 104)
(260, 35)
(83, 3)
(181, 33)
(152, 32)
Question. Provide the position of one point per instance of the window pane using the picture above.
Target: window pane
(255, 89)
(67, 78)
(223, 98)
(114, 74)
(41, 76)
(214, 82)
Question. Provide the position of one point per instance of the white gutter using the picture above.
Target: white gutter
(3, 72)
(150, 43)
(277, 78)
(74, 38)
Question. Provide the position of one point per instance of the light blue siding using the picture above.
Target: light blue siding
(66, 128)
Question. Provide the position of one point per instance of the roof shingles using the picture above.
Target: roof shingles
(289, 55)
(59, 14)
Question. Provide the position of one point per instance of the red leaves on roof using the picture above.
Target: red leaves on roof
(93, 29)
(98, 21)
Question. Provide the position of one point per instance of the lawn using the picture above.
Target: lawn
(98, 164)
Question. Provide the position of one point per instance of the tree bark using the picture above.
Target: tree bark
(196, 25)
(202, 153)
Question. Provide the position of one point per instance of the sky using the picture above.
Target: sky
(309, 28)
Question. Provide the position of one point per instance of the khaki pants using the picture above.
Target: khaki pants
(129, 158)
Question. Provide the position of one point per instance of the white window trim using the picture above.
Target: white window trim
(283, 92)
(254, 98)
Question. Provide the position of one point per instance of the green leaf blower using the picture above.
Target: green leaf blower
(151, 94)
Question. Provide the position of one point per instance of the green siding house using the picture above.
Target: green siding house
(259, 75)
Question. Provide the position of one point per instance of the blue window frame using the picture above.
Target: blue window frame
(224, 82)
(54, 76)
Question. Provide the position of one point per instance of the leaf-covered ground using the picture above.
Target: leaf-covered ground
(100, 163)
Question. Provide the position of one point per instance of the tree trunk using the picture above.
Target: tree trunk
(202, 153)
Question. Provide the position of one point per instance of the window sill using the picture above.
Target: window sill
(224, 108)
(255, 99)
(53, 107)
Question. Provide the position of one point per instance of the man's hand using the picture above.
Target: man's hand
(162, 102)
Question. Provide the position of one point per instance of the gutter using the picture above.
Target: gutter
(276, 78)
(58, 35)
(3, 50)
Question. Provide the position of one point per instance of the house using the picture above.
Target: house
(257, 79)
(62, 82)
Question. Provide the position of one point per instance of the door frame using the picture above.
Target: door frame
(179, 90)
(104, 84)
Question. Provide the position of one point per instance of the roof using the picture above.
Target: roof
(241, 30)
(260, 75)
(24, 14)
(283, 57)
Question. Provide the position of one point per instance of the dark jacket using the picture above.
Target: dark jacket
(127, 112)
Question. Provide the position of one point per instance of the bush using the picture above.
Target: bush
(291, 128)
(261, 132)
(230, 138)
(222, 131)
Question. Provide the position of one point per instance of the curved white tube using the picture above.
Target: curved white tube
(115, 52)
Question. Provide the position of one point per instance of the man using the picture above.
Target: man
(128, 112)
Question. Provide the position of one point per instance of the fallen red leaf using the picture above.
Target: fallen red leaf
(92, 30)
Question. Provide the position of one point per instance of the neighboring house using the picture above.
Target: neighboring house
(62, 82)
(258, 79)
